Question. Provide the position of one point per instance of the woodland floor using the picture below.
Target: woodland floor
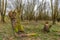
(6, 32)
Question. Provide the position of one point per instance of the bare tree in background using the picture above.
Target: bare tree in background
(29, 10)
(3, 10)
(42, 10)
(55, 11)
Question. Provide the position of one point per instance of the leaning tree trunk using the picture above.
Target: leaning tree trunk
(15, 21)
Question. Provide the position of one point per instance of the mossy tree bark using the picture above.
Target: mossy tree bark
(15, 21)
(18, 24)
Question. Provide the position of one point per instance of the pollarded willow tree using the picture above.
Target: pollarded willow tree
(15, 18)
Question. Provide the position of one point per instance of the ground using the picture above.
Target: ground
(7, 33)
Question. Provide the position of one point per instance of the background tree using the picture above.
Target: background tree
(0, 6)
(29, 10)
(40, 8)
(3, 10)
(55, 15)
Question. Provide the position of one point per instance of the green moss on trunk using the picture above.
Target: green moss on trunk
(15, 19)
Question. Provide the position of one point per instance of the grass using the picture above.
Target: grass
(7, 33)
